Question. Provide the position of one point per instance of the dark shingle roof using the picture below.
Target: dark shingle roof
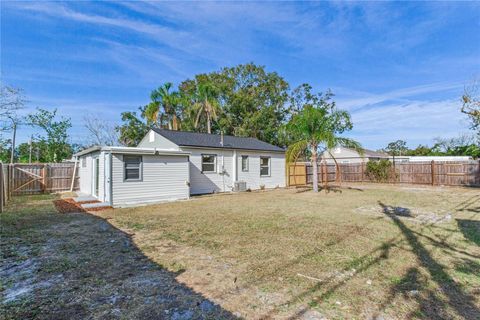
(195, 139)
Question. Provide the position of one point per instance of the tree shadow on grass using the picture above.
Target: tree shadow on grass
(104, 275)
(432, 306)
(470, 230)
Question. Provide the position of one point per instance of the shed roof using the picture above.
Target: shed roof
(130, 150)
(196, 139)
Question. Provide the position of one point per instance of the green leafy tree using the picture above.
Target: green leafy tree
(162, 111)
(132, 130)
(396, 148)
(57, 147)
(36, 152)
(252, 101)
(5, 150)
(206, 104)
(316, 127)
(421, 150)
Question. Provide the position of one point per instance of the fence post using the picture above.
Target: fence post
(2, 196)
(432, 170)
(478, 172)
(361, 164)
(10, 180)
(44, 178)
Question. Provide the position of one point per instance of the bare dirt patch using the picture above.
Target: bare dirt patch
(77, 266)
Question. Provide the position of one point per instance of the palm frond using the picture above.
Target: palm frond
(351, 144)
(295, 150)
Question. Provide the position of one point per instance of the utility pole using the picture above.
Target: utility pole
(30, 154)
(14, 127)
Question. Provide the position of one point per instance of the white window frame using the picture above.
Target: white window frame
(246, 169)
(268, 166)
(214, 162)
(140, 169)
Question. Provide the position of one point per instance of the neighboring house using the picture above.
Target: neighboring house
(217, 162)
(346, 155)
(432, 158)
(172, 165)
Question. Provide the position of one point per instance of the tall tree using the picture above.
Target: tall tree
(163, 108)
(251, 99)
(100, 131)
(12, 101)
(396, 148)
(471, 106)
(58, 148)
(316, 127)
(206, 104)
(132, 131)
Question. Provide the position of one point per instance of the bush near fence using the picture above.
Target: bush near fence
(465, 173)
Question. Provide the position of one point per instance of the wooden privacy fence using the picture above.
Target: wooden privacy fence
(465, 173)
(23, 179)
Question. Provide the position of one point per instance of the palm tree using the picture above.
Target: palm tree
(316, 127)
(163, 98)
(206, 103)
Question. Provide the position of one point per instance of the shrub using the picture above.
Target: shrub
(380, 171)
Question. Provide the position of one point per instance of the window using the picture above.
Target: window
(84, 162)
(133, 168)
(209, 162)
(264, 166)
(244, 163)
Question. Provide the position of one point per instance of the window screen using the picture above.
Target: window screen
(264, 166)
(133, 167)
(209, 162)
(244, 163)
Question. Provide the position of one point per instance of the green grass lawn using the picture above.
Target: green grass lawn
(367, 251)
(363, 252)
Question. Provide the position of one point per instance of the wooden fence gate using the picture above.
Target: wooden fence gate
(42, 178)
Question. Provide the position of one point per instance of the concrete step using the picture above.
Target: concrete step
(95, 205)
(84, 198)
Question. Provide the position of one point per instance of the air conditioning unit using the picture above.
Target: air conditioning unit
(239, 186)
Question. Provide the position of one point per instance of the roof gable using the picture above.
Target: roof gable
(195, 139)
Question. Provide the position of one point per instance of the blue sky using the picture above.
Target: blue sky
(399, 68)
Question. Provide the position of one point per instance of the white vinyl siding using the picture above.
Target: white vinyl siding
(210, 182)
(159, 142)
(165, 178)
(253, 178)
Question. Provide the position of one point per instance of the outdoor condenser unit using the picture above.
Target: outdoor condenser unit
(239, 186)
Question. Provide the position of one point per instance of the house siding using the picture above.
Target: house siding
(159, 142)
(201, 183)
(252, 176)
(163, 178)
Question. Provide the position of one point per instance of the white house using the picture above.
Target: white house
(172, 165)
(217, 162)
(347, 155)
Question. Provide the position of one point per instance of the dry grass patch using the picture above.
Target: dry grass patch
(284, 253)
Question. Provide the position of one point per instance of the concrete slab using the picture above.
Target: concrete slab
(95, 205)
(84, 198)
